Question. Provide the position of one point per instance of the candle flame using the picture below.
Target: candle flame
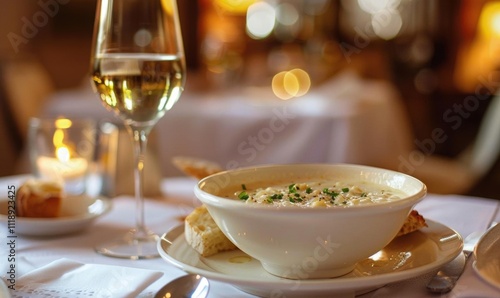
(62, 150)
(62, 123)
(62, 153)
(58, 138)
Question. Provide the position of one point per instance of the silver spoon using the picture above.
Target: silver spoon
(186, 286)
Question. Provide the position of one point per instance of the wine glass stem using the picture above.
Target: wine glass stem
(140, 137)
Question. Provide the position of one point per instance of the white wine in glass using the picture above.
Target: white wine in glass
(138, 69)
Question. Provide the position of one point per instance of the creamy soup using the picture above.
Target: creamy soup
(319, 194)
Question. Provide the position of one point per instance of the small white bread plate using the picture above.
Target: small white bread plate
(4, 291)
(405, 257)
(487, 254)
(77, 213)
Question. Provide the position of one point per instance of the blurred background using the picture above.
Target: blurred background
(441, 56)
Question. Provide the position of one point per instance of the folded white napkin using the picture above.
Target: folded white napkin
(67, 278)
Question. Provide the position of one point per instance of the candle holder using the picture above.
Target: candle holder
(63, 150)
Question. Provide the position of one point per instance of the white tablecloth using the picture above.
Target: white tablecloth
(464, 214)
(345, 120)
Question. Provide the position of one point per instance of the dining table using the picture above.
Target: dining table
(346, 119)
(66, 265)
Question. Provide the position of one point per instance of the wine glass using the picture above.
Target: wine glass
(138, 69)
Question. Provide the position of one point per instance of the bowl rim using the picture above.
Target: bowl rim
(228, 203)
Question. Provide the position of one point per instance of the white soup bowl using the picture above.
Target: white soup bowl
(307, 243)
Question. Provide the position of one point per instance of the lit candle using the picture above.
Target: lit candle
(55, 168)
(65, 165)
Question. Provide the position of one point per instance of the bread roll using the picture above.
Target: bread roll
(39, 198)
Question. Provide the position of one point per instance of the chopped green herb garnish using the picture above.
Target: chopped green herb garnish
(276, 196)
(243, 195)
(298, 193)
(330, 193)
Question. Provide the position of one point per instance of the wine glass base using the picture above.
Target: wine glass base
(132, 246)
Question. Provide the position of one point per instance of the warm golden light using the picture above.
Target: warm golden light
(234, 6)
(107, 95)
(63, 123)
(278, 86)
(167, 6)
(480, 58)
(303, 81)
(65, 164)
(489, 20)
(58, 138)
(127, 96)
(62, 153)
(377, 256)
(293, 83)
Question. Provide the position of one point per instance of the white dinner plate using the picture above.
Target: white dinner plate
(405, 257)
(487, 254)
(77, 213)
(4, 291)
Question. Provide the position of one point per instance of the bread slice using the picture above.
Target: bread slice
(203, 234)
(196, 167)
(413, 222)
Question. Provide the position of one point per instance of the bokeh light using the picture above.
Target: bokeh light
(378, 6)
(489, 20)
(261, 18)
(143, 37)
(385, 17)
(388, 25)
(289, 84)
(287, 14)
(234, 6)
